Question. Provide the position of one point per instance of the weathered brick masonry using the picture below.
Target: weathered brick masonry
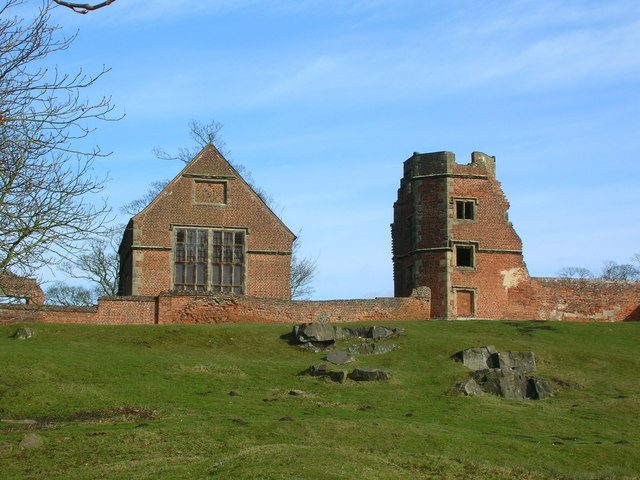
(451, 233)
(209, 231)
(193, 308)
(17, 287)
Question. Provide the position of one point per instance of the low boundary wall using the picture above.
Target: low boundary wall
(194, 308)
(534, 299)
(575, 300)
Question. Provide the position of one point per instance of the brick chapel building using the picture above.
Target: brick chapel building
(451, 233)
(206, 231)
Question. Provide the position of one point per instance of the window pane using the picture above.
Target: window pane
(239, 238)
(228, 254)
(238, 255)
(191, 253)
(191, 236)
(180, 236)
(201, 273)
(460, 210)
(237, 290)
(217, 237)
(226, 289)
(215, 277)
(202, 252)
(216, 256)
(179, 253)
(179, 273)
(226, 274)
(228, 238)
(237, 276)
(468, 210)
(190, 274)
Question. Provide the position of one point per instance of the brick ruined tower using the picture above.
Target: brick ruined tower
(451, 233)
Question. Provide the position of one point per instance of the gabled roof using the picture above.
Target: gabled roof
(202, 164)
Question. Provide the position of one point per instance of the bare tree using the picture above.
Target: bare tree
(84, 8)
(575, 272)
(610, 271)
(616, 271)
(133, 207)
(65, 295)
(100, 265)
(45, 184)
(303, 272)
(202, 134)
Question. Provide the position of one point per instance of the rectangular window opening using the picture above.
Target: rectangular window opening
(465, 209)
(464, 256)
(218, 267)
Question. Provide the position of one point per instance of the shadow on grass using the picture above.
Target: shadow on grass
(530, 326)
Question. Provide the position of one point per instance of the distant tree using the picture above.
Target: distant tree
(100, 263)
(65, 295)
(83, 8)
(45, 183)
(610, 271)
(575, 272)
(616, 271)
(303, 272)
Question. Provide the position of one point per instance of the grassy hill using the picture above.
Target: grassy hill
(153, 402)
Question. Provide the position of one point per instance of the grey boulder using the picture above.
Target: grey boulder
(504, 383)
(469, 387)
(369, 374)
(524, 362)
(338, 357)
(371, 348)
(316, 332)
(376, 333)
(538, 388)
(477, 358)
(23, 333)
(318, 347)
(31, 441)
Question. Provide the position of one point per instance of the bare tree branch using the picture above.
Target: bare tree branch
(84, 8)
(303, 272)
(99, 264)
(47, 209)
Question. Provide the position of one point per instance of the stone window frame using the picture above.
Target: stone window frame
(474, 251)
(467, 200)
(223, 182)
(460, 288)
(209, 263)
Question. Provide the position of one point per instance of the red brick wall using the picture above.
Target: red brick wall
(577, 300)
(127, 310)
(199, 308)
(490, 280)
(263, 268)
(152, 271)
(230, 309)
(15, 286)
(46, 314)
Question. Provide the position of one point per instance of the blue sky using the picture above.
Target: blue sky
(323, 100)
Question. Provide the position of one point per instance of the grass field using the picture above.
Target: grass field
(152, 402)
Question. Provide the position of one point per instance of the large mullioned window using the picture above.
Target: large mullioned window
(207, 259)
